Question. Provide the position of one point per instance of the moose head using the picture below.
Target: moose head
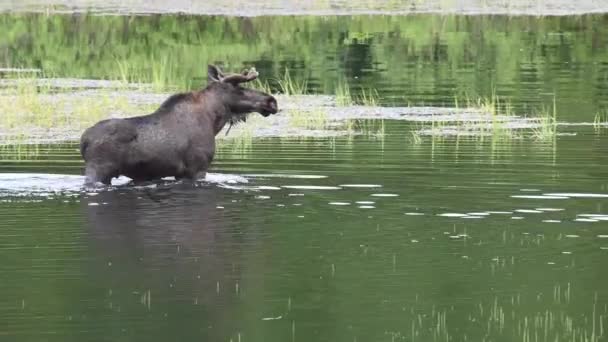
(238, 99)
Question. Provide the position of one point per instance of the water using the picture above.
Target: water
(306, 244)
(415, 60)
(348, 238)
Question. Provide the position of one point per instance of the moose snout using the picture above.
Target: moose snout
(270, 106)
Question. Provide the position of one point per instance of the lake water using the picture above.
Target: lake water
(355, 238)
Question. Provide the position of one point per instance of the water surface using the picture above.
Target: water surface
(346, 239)
(371, 237)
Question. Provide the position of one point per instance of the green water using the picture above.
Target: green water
(289, 255)
(415, 60)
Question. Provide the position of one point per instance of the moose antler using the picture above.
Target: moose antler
(246, 76)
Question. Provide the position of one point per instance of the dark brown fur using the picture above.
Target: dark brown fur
(178, 139)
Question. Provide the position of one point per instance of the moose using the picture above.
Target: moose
(178, 139)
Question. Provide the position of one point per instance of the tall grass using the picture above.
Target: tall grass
(289, 86)
(547, 123)
(369, 97)
(600, 120)
(343, 96)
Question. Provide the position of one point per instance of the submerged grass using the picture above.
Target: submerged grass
(343, 96)
(547, 120)
(312, 119)
(366, 97)
(493, 118)
(369, 97)
(29, 107)
(600, 120)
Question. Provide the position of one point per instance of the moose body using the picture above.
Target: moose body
(178, 139)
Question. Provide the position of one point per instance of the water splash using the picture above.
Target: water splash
(50, 185)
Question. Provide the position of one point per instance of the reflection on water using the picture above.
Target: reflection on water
(414, 60)
(172, 256)
(368, 240)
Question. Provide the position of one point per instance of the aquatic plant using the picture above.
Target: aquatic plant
(546, 128)
(343, 97)
(289, 86)
(262, 86)
(29, 106)
(492, 118)
(600, 120)
(310, 119)
(369, 97)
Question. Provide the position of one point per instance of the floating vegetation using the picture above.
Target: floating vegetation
(313, 119)
(34, 108)
(491, 118)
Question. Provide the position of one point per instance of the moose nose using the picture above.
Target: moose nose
(272, 105)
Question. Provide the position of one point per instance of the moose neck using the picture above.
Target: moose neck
(222, 115)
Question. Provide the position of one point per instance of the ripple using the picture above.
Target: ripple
(45, 185)
(263, 187)
(577, 195)
(598, 217)
(414, 214)
(585, 220)
(552, 221)
(280, 175)
(339, 203)
(385, 195)
(311, 187)
(528, 211)
(541, 197)
(549, 209)
(360, 185)
(365, 202)
(367, 207)
(452, 215)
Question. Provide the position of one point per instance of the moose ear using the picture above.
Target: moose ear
(214, 74)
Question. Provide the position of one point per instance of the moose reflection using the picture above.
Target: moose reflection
(171, 248)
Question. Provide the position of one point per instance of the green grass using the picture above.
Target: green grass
(600, 120)
(369, 97)
(289, 86)
(367, 127)
(28, 106)
(547, 120)
(343, 97)
(262, 86)
(493, 118)
(312, 119)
